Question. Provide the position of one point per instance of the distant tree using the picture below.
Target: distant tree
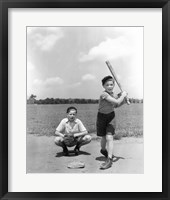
(70, 101)
(32, 99)
(33, 96)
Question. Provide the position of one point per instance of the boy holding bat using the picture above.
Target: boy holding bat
(106, 118)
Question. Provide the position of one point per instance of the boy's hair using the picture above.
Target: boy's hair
(71, 108)
(106, 78)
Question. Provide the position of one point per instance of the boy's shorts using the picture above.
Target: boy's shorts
(106, 124)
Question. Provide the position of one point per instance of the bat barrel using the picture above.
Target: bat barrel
(115, 77)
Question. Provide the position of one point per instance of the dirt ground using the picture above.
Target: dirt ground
(43, 156)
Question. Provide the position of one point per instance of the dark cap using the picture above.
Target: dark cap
(106, 78)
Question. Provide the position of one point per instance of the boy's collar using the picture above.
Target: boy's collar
(109, 92)
(73, 121)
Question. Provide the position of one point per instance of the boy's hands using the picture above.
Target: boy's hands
(124, 94)
(70, 140)
(72, 132)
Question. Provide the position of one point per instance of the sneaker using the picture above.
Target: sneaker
(76, 150)
(65, 151)
(107, 164)
(104, 152)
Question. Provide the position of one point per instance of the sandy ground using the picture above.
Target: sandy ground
(43, 156)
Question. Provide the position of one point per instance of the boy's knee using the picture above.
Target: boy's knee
(109, 137)
(58, 140)
(86, 139)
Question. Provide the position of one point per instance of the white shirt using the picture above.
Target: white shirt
(66, 126)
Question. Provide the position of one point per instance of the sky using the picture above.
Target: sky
(69, 62)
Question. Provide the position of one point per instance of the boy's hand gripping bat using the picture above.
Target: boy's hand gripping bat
(115, 77)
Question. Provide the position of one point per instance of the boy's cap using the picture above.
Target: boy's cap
(106, 78)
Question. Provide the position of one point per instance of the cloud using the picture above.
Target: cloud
(44, 37)
(30, 66)
(46, 29)
(52, 29)
(53, 81)
(38, 82)
(74, 85)
(88, 77)
(49, 82)
(45, 43)
(109, 49)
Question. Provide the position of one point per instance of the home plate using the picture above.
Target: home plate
(76, 165)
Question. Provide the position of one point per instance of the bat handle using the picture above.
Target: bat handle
(126, 98)
(127, 101)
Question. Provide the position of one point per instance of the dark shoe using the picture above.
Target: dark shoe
(104, 152)
(76, 150)
(107, 164)
(65, 151)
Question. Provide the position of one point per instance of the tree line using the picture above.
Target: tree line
(32, 100)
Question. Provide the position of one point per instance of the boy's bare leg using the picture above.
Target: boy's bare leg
(59, 142)
(103, 147)
(83, 140)
(103, 143)
(108, 162)
(109, 139)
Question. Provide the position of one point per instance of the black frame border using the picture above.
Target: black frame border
(4, 5)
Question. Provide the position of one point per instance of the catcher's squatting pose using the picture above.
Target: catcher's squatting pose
(71, 132)
(106, 122)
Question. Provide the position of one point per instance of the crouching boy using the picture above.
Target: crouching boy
(74, 126)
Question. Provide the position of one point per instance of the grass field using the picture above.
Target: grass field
(43, 119)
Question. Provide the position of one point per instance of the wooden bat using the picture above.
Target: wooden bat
(116, 79)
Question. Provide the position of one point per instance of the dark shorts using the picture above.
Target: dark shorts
(106, 124)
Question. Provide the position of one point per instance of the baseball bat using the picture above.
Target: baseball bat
(116, 79)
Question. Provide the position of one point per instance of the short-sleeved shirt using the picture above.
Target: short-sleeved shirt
(105, 106)
(65, 126)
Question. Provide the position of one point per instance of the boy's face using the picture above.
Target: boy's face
(71, 115)
(109, 85)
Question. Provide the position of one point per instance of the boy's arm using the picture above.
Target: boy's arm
(116, 101)
(80, 134)
(82, 129)
(59, 134)
(120, 104)
(59, 129)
